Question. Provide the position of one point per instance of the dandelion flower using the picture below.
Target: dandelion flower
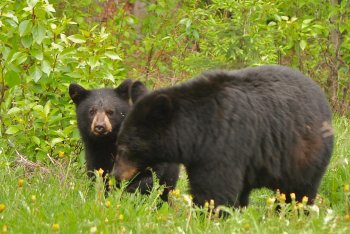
(33, 198)
(300, 206)
(346, 188)
(4, 228)
(55, 227)
(282, 197)
(175, 193)
(61, 154)
(347, 217)
(246, 226)
(304, 200)
(270, 201)
(211, 204)
(188, 199)
(108, 204)
(292, 196)
(100, 172)
(2, 207)
(93, 229)
(121, 217)
(20, 183)
(206, 205)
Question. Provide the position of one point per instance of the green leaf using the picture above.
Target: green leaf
(302, 44)
(38, 54)
(77, 38)
(27, 41)
(46, 67)
(47, 108)
(13, 110)
(38, 32)
(22, 58)
(112, 55)
(35, 73)
(12, 78)
(49, 8)
(36, 140)
(55, 141)
(12, 130)
(93, 62)
(73, 74)
(25, 27)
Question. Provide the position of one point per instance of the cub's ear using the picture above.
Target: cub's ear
(137, 91)
(77, 93)
(161, 109)
(131, 90)
(123, 89)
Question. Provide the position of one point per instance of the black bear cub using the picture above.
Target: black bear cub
(100, 113)
(234, 131)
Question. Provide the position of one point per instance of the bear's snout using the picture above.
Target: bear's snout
(123, 170)
(101, 124)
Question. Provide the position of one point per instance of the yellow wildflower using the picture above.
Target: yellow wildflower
(33, 198)
(292, 196)
(4, 228)
(270, 201)
(246, 226)
(100, 172)
(2, 207)
(108, 204)
(61, 154)
(121, 217)
(300, 206)
(211, 204)
(304, 200)
(347, 217)
(93, 229)
(346, 188)
(55, 227)
(110, 183)
(20, 183)
(282, 197)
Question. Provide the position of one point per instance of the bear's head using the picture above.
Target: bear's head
(146, 137)
(100, 112)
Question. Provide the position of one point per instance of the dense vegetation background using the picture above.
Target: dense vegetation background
(46, 45)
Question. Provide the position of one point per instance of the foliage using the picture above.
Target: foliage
(38, 61)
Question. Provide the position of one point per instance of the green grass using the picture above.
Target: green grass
(63, 200)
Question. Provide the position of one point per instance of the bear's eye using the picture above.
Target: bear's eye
(92, 111)
(109, 112)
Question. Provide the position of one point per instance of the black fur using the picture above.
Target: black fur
(234, 131)
(100, 149)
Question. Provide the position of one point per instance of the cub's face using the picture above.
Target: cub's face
(100, 112)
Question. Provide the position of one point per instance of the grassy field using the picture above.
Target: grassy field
(59, 198)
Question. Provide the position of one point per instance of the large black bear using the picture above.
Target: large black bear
(234, 131)
(100, 113)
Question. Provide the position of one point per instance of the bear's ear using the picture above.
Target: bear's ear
(161, 109)
(131, 91)
(77, 93)
(137, 91)
(123, 89)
